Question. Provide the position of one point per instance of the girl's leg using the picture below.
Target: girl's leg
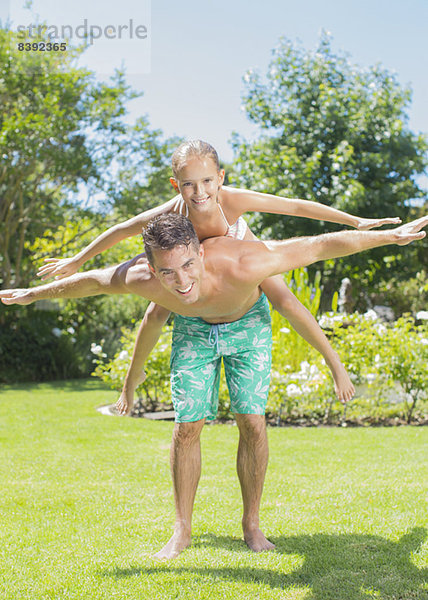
(147, 336)
(286, 303)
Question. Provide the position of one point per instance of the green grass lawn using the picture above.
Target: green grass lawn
(86, 499)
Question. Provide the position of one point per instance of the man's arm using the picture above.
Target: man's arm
(63, 267)
(111, 280)
(300, 252)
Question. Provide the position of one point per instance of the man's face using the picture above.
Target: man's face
(198, 182)
(180, 271)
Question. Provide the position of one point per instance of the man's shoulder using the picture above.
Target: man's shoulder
(233, 247)
(222, 247)
(236, 258)
(135, 271)
(139, 268)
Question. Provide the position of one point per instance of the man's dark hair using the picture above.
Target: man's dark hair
(168, 231)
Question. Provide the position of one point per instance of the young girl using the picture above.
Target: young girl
(214, 211)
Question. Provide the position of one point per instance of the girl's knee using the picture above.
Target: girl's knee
(157, 313)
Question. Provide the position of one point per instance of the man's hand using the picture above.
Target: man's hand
(409, 232)
(58, 268)
(126, 399)
(366, 224)
(18, 296)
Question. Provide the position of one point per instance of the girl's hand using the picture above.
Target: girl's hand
(58, 268)
(125, 403)
(366, 224)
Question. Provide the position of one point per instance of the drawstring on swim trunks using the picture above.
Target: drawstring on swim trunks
(213, 335)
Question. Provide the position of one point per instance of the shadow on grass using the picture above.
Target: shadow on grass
(345, 566)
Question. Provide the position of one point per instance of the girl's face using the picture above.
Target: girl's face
(199, 182)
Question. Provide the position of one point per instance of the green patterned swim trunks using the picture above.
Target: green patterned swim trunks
(197, 350)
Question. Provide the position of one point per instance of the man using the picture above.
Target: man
(215, 284)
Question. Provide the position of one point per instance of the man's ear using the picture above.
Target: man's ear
(174, 184)
(201, 251)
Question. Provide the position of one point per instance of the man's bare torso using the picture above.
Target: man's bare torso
(228, 289)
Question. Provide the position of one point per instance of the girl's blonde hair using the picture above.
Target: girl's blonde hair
(193, 148)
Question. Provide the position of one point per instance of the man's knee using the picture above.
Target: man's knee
(186, 434)
(251, 427)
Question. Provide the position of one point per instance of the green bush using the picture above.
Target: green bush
(408, 296)
(34, 346)
(387, 363)
(152, 393)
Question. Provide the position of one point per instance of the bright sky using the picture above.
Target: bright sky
(192, 81)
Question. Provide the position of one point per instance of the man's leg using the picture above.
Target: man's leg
(186, 470)
(252, 462)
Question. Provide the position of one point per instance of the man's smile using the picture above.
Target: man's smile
(185, 291)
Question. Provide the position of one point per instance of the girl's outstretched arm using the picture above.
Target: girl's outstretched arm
(63, 267)
(249, 201)
(147, 336)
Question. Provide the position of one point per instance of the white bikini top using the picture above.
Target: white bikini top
(236, 231)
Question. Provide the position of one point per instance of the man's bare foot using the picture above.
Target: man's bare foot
(176, 544)
(256, 541)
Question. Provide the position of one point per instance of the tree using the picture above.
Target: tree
(337, 133)
(60, 128)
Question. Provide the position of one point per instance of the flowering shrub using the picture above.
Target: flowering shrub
(387, 363)
(304, 395)
(301, 386)
(152, 393)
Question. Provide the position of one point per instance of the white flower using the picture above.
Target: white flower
(329, 320)
(96, 348)
(324, 321)
(56, 331)
(314, 370)
(293, 390)
(424, 341)
(377, 358)
(123, 355)
(370, 314)
(284, 330)
(71, 330)
(371, 377)
(422, 314)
